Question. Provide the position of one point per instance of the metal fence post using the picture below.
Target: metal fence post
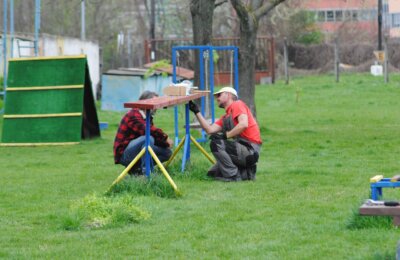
(386, 60)
(337, 59)
(286, 60)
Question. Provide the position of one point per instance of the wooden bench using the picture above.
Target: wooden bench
(380, 210)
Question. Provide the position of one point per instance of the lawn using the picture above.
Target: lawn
(322, 142)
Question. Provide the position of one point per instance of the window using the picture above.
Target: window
(330, 16)
(396, 20)
(339, 15)
(354, 15)
(347, 15)
(321, 16)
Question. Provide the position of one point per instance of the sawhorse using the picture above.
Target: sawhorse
(155, 103)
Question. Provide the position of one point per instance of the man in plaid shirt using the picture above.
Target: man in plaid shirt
(130, 137)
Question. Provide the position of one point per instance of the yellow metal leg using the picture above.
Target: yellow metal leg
(212, 160)
(163, 170)
(125, 172)
(176, 151)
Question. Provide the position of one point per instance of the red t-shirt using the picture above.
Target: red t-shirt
(237, 108)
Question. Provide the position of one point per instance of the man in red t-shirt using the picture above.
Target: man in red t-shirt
(235, 138)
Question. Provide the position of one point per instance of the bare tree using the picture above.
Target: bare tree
(249, 13)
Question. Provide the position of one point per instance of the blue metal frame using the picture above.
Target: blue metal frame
(202, 50)
(5, 27)
(376, 187)
(12, 28)
(37, 26)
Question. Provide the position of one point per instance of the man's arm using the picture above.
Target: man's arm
(210, 129)
(243, 123)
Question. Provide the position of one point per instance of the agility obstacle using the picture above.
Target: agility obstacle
(49, 102)
(206, 76)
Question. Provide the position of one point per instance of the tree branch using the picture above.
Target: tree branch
(220, 3)
(264, 9)
(240, 8)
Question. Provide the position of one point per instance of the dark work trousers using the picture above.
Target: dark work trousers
(235, 161)
(236, 158)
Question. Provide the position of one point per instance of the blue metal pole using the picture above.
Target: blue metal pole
(236, 68)
(211, 80)
(186, 148)
(4, 49)
(83, 25)
(147, 143)
(37, 26)
(176, 107)
(12, 28)
(202, 87)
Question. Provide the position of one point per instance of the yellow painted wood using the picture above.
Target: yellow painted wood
(49, 58)
(44, 88)
(212, 160)
(175, 152)
(125, 172)
(163, 170)
(376, 178)
(37, 144)
(395, 178)
(41, 115)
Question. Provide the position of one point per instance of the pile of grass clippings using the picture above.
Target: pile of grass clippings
(95, 211)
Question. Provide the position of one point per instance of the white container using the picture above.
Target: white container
(377, 70)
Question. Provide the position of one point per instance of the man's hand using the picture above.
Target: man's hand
(170, 142)
(193, 107)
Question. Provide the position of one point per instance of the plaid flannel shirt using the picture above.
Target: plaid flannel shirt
(132, 126)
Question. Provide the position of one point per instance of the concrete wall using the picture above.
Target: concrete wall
(50, 45)
(119, 89)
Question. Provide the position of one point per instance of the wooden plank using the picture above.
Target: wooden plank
(42, 115)
(376, 178)
(379, 210)
(164, 101)
(44, 88)
(49, 58)
(38, 144)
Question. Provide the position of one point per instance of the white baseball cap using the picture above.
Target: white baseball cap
(227, 89)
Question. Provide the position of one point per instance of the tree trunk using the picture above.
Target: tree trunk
(247, 56)
(202, 19)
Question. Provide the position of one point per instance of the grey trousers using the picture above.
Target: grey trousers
(236, 160)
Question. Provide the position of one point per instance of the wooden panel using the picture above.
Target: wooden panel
(164, 101)
(379, 210)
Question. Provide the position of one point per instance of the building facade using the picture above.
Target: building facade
(355, 16)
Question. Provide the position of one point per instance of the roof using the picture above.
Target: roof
(180, 72)
(128, 72)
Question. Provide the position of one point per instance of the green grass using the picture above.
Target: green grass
(318, 155)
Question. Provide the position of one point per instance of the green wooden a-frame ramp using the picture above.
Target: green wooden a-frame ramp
(49, 101)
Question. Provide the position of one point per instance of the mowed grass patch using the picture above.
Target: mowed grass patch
(97, 211)
(319, 151)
